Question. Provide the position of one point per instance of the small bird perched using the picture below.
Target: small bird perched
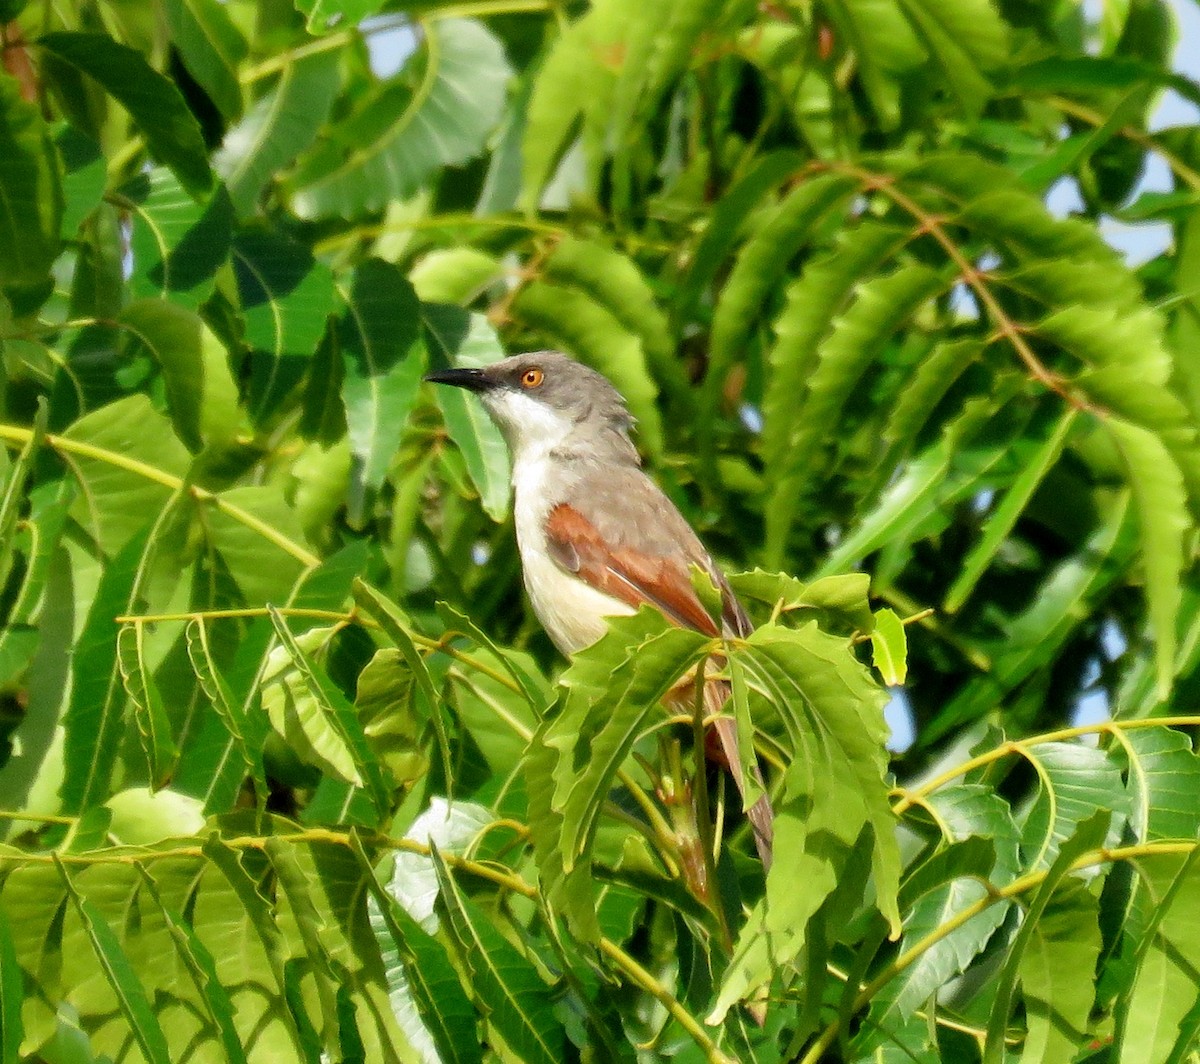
(597, 537)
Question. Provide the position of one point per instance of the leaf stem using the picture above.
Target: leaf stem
(645, 981)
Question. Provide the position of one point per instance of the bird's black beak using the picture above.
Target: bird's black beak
(474, 380)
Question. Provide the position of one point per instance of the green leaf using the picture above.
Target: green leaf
(94, 721)
(1163, 521)
(761, 265)
(149, 711)
(426, 997)
(834, 799)
(198, 962)
(201, 392)
(211, 48)
(388, 147)
(946, 884)
(464, 339)
(116, 501)
(508, 989)
(178, 244)
(387, 704)
(1071, 1012)
(1074, 781)
(814, 301)
(725, 221)
(882, 305)
(277, 128)
(614, 281)
(239, 541)
(84, 181)
(152, 100)
(610, 692)
(966, 39)
(325, 14)
(253, 924)
(889, 647)
(224, 703)
(836, 602)
(1055, 974)
(885, 47)
(286, 298)
(31, 195)
(311, 706)
(12, 993)
(120, 975)
(379, 341)
(1002, 520)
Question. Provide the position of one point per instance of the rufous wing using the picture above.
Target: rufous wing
(633, 576)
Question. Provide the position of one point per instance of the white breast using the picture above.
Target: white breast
(572, 611)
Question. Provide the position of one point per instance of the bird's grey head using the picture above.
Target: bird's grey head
(547, 401)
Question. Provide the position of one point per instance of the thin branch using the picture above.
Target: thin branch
(645, 981)
(995, 894)
(1018, 746)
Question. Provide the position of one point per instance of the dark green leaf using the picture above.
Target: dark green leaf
(155, 104)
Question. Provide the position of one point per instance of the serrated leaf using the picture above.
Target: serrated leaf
(388, 148)
(1073, 782)
(889, 647)
(12, 993)
(946, 885)
(306, 708)
(761, 265)
(881, 305)
(1163, 521)
(201, 970)
(426, 996)
(511, 994)
(94, 720)
(832, 804)
(224, 703)
(614, 282)
(116, 501)
(1055, 975)
(149, 711)
(610, 692)
(1164, 988)
(120, 975)
(967, 40)
(1005, 516)
(1087, 835)
(152, 100)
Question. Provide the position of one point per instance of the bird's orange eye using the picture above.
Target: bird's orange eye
(531, 378)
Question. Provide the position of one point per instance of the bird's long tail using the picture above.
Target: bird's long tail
(760, 814)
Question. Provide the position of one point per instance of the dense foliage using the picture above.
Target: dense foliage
(289, 771)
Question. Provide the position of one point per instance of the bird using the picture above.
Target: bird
(597, 537)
